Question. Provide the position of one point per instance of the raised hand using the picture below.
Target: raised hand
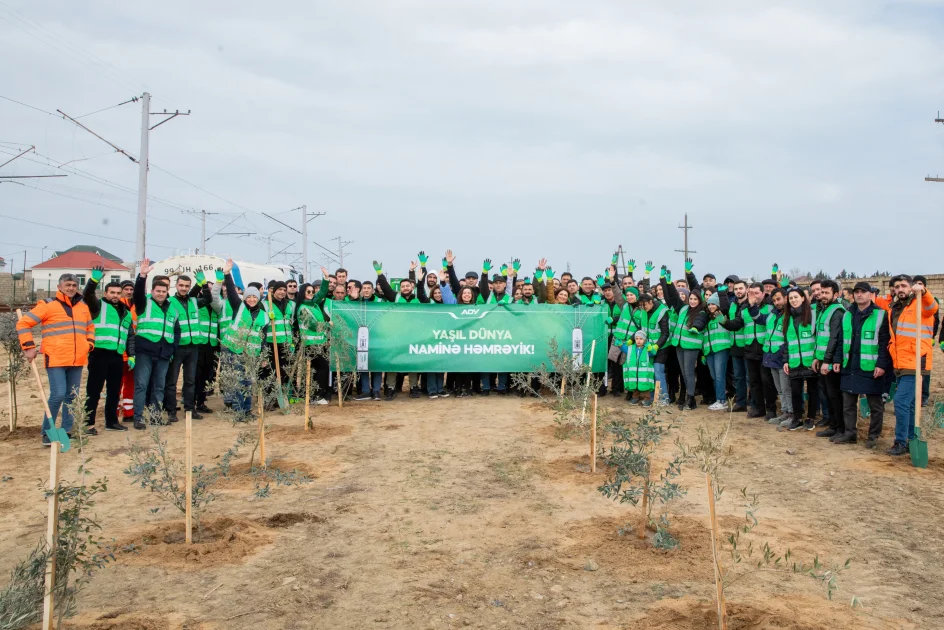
(97, 273)
(542, 264)
(668, 275)
(784, 281)
(549, 273)
(649, 267)
(444, 264)
(661, 272)
(516, 265)
(412, 265)
(504, 269)
(200, 277)
(449, 257)
(228, 266)
(615, 258)
(600, 281)
(631, 266)
(378, 267)
(146, 267)
(325, 273)
(219, 275)
(486, 265)
(423, 258)
(689, 265)
(774, 269)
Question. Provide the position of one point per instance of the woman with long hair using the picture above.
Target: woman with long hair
(464, 380)
(689, 338)
(800, 338)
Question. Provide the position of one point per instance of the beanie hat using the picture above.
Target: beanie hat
(633, 290)
(252, 292)
(921, 279)
(713, 299)
(684, 293)
(641, 333)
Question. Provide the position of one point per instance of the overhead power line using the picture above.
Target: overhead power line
(74, 231)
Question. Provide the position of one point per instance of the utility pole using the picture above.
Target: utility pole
(306, 218)
(142, 181)
(341, 246)
(936, 179)
(686, 251)
(203, 227)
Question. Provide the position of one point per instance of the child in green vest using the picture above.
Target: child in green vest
(639, 376)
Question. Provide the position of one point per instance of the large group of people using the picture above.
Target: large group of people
(826, 354)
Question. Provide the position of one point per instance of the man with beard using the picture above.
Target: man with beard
(186, 355)
(404, 296)
(828, 356)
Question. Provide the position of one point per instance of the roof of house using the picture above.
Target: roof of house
(90, 249)
(80, 260)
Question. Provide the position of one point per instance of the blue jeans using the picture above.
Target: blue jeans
(240, 401)
(148, 370)
(434, 383)
(925, 389)
(740, 381)
(659, 369)
(373, 387)
(905, 409)
(718, 366)
(64, 383)
(502, 381)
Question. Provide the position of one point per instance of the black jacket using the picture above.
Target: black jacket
(455, 286)
(855, 380)
(834, 348)
(387, 291)
(95, 308)
(162, 349)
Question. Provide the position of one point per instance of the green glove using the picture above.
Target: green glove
(785, 281)
(538, 274)
(649, 348)
(649, 267)
(722, 288)
(291, 348)
(445, 264)
(694, 330)
(201, 278)
(504, 269)
(271, 315)
(668, 276)
(516, 265)
(655, 347)
(219, 276)
(704, 360)
(596, 298)
(689, 265)
(378, 267)
(600, 281)
(774, 269)
(609, 320)
(423, 258)
(661, 272)
(615, 258)
(130, 363)
(549, 273)
(942, 346)
(98, 273)
(486, 265)
(527, 280)
(630, 266)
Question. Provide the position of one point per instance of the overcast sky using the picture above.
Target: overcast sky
(798, 133)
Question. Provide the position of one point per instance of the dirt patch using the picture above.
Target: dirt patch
(287, 519)
(240, 475)
(574, 470)
(21, 434)
(896, 466)
(298, 433)
(792, 613)
(391, 427)
(225, 541)
(627, 556)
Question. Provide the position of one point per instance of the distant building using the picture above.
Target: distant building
(89, 249)
(79, 262)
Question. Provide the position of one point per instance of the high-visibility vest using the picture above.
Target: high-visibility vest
(751, 331)
(533, 302)
(311, 324)
(626, 325)
(613, 312)
(156, 324)
(189, 320)
(245, 331)
(868, 342)
(717, 339)
(282, 323)
(774, 340)
(402, 300)
(226, 316)
(589, 301)
(111, 333)
(684, 337)
(638, 371)
(904, 333)
(649, 322)
(506, 299)
(673, 325)
(822, 330)
(209, 325)
(801, 344)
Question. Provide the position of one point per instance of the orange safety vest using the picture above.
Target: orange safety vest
(904, 334)
(68, 333)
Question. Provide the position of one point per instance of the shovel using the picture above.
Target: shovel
(283, 404)
(918, 447)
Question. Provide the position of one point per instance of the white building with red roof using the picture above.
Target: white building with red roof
(46, 274)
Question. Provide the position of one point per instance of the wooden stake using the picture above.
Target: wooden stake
(39, 381)
(262, 431)
(719, 589)
(307, 392)
(52, 535)
(644, 519)
(337, 365)
(563, 385)
(593, 436)
(10, 401)
(189, 512)
(655, 393)
(919, 382)
(583, 413)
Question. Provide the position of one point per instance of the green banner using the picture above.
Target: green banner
(469, 338)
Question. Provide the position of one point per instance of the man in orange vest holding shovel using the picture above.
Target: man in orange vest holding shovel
(913, 307)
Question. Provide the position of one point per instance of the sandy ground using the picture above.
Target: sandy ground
(453, 513)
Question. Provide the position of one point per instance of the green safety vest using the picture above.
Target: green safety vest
(311, 324)
(533, 302)
(208, 326)
(156, 324)
(751, 331)
(717, 339)
(189, 320)
(245, 328)
(110, 333)
(683, 336)
(673, 324)
(822, 330)
(774, 340)
(613, 312)
(868, 344)
(589, 301)
(638, 371)
(282, 323)
(402, 300)
(800, 347)
(649, 322)
(226, 316)
(506, 299)
(625, 325)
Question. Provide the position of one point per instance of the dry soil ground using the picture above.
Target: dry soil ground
(449, 513)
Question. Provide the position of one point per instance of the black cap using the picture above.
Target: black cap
(769, 281)
(472, 275)
(709, 275)
(919, 278)
(497, 277)
(862, 286)
(731, 278)
(607, 285)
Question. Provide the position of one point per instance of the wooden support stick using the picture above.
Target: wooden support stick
(719, 588)
(593, 436)
(39, 381)
(307, 393)
(189, 512)
(262, 431)
(583, 413)
(10, 401)
(52, 536)
(337, 365)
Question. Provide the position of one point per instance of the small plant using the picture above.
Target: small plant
(240, 378)
(16, 366)
(634, 480)
(564, 386)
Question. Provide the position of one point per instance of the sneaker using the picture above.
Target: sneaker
(139, 426)
(91, 431)
(822, 422)
(845, 438)
(717, 406)
(755, 413)
(433, 396)
(634, 401)
(681, 402)
(194, 415)
(691, 404)
(739, 408)
(204, 409)
(647, 403)
(897, 449)
(414, 392)
(389, 396)
(871, 442)
(444, 394)
(172, 419)
(376, 396)
(321, 401)
(463, 394)
(809, 425)
(629, 397)
(484, 392)
(46, 441)
(826, 433)
(364, 396)
(795, 425)
(787, 420)
(664, 402)
(115, 427)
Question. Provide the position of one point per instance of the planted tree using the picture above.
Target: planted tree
(637, 479)
(16, 365)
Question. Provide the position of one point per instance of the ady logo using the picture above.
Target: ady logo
(470, 311)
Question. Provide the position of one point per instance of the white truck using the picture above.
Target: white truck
(243, 272)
